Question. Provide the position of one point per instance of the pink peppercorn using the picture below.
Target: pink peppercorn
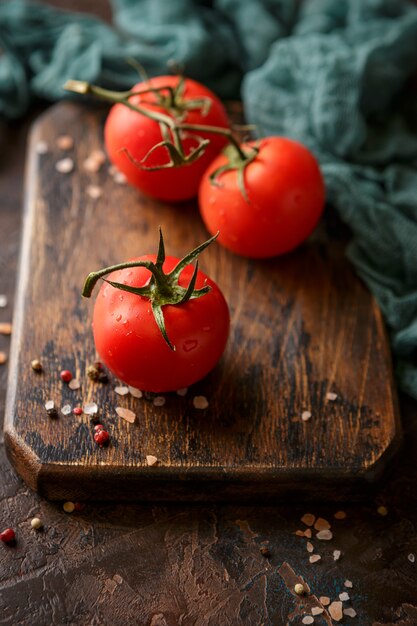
(66, 376)
(77, 410)
(8, 535)
(101, 438)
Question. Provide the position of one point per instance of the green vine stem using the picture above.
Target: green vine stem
(162, 288)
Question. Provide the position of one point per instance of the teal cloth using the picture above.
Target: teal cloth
(334, 74)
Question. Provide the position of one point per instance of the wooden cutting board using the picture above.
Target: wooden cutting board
(302, 326)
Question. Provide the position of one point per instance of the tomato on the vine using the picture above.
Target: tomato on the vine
(159, 323)
(130, 136)
(266, 203)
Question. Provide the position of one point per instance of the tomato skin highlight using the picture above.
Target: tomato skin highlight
(286, 196)
(136, 133)
(131, 345)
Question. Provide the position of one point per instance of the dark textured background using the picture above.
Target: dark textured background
(116, 564)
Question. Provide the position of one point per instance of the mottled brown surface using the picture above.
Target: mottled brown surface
(301, 326)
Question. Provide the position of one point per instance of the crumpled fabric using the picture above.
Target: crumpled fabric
(338, 75)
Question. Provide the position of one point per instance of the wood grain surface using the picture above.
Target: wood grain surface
(302, 326)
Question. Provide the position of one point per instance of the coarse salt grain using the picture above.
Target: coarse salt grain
(344, 596)
(90, 408)
(5, 328)
(159, 401)
(324, 600)
(308, 619)
(50, 405)
(324, 535)
(126, 414)
(321, 524)
(317, 610)
(348, 583)
(331, 396)
(340, 515)
(120, 178)
(308, 533)
(74, 384)
(411, 557)
(94, 191)
(122, 391)
(200, 402)
(151, 460)
(3, 301)
(300, 533)
(3, 358)
(308, 519)
(310, 547)
(41, 147)
(314, 558)
(68, 507)
(182, 392)
(305, 416)
(336, 555)
(66, 409)
(336, 610)
(64, 166)
(349, 612)
(136, 393)
(65, 142)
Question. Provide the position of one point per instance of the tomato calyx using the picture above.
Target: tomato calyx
(237, 160)
(162, 288)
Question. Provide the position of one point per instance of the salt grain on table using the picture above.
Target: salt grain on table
(344, 596)
(321, 524)
(340, 515)
(74, 384)
(310, 547)
(308, 533)
(120, 178)
(94, 191)
(314, 558)
(5, 328)
(336, 610)
(325, 600)
(151, 460)
(411, 557)
(122, 391)
(159, 401)
(3, 358)
(348, 583)
(324, 535)
(336, 555)
(305, 416)
(126, 414)
(349, 612)
(3, 301)
(308, 519)
(136, 393)
(64, 166)
(90, 408)
(308, 619)
(41, 147)
(182, 392)
(65, 142)
(200, 402)
(49, 405)
(66, 409)
(331, 396)
(317, 610)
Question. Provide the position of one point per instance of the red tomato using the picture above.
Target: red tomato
(286, 195)
(131, 344)
(136, 133)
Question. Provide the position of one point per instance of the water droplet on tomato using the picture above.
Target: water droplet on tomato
(118, 317)
(109, 352)
(121, 298)
(125, 322)
(189, 344)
